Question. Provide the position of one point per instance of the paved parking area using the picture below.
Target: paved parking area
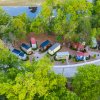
(36, 55)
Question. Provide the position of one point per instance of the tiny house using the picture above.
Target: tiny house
(78, 46)
(62, 55)
(81, 56)
(53, 49)
(45, 45)
(33, 43)
(26, 48)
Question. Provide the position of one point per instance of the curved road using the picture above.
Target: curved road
(70, 70)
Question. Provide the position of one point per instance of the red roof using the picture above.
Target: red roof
(78, 45)
(33, 41)
(82, 54)
(86, 54)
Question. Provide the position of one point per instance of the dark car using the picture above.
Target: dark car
(45, 45)
(21, 55)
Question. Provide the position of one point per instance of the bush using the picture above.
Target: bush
(59, 38)
(94, 56)
(63, 61)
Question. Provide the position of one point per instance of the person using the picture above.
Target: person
(87, 48)
(84, 59)
(67, 59)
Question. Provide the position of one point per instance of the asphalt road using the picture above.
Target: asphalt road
(68, 71)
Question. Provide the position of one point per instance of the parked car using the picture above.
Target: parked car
(33, 43)
(78, 46)
(21, 55)
(98, 42)
(82, 56)
(94, 43)
(61, 55)
(53, 49)
(45, 45)
(26, 48)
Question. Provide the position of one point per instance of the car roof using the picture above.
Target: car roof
(79, 45)
(33, 41)
(45, 43)
(54, 46)
(82, 54)
(62, 53)
(21, 54)
(16, 51)
(25, 46)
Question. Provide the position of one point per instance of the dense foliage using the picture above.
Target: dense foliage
(86, 82)
(63, 18)
(31, 81)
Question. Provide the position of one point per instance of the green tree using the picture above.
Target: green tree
(69, 16)
(43, 23)
(24, 18)
(18, 28)
(7, 59)
(37, 26)
(86, 82)
(36, 82)
(4, 22)
(96, 14)
(4, 17)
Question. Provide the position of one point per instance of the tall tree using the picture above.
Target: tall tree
(96, 14)
(18, 28)
(7, 59)
(86, 82)
(68, 16)
(39, 83)
(4, 22)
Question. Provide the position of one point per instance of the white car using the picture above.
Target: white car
(19, 54)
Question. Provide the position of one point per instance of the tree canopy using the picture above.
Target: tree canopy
(31, 81)
(86, 82)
